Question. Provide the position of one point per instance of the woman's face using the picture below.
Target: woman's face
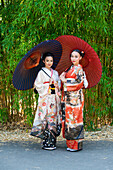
(75, 58)
(48, 62)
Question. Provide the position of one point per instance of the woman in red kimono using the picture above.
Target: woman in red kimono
(73, 101)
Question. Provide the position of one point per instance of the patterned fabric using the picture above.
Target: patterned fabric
(47, 119)
(49, 139)
(73, 144)
(73, 102)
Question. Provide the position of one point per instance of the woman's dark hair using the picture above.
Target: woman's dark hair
(46, 55)
(82, 53)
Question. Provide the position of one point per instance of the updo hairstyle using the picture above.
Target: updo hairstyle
(82, 53)
(47, 54)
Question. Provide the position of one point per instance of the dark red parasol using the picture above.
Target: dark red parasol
(29, 66)
(90, 62)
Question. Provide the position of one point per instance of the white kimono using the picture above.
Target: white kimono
(48, 111)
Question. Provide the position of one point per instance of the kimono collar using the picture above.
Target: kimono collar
(49, 72)
(79, 65)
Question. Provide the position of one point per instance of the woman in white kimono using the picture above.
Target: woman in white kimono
(47, 119)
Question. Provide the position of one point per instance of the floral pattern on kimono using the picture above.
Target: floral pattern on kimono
(73, 102)
(48, 112)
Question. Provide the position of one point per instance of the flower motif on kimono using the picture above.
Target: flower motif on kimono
(68, 110)
(40, 109)
(68, 113)
(73, 101)
(72, 122)
(44, 104)
(39, 114)
(51, 120)
(53, 117)
(51, 106)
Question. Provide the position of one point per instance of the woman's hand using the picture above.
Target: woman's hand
(56, 85)
(63, 80)
(63, 74)
(62, 77)
(50, 81)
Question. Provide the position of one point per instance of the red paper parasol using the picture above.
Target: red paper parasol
(90, 62)
(29, 66)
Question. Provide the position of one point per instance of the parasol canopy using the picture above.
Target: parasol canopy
(29, 66)
(90, 62)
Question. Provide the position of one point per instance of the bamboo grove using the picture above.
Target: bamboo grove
(25, 23)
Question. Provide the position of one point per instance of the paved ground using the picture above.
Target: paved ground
(96, 155)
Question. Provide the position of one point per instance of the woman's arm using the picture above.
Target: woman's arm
(40, 86)
(62, 77)
(57, 82)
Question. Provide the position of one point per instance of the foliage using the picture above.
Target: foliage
(25, 23)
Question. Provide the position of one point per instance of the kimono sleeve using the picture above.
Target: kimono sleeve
(85, 81)
(58, 79)
(40, 87)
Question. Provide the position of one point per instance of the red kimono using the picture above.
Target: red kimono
(73, 101)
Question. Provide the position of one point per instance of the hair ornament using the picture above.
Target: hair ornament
(82, 52)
